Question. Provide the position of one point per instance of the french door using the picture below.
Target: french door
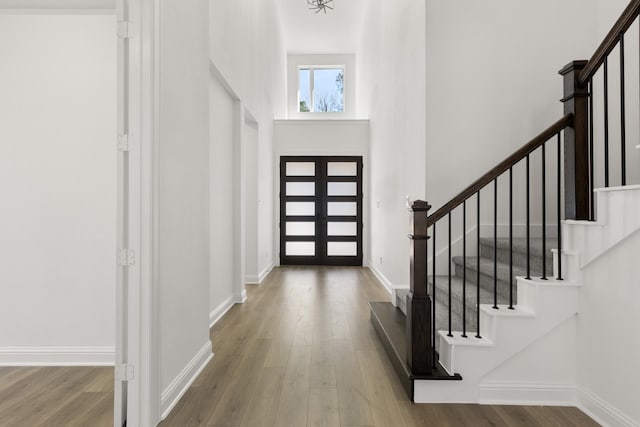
(321, 210)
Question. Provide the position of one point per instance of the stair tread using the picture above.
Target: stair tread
(442, 286)
(520, 245)
(487, 267)
(442, 314)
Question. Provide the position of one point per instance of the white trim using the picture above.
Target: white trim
(57, 356)
(386, 283)
(347, 61)
(622, 188)
(259, 279)
(240, 298)
(601, 411)
(216, 314)
(530, 394)
(179, 386)
(251, 279)
(263, 275)
(333, 122)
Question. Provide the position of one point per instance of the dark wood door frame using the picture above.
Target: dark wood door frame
(321, 217)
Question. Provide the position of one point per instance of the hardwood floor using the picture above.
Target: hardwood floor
(302, 352)
(55, 397)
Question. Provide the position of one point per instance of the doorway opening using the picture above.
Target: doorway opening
(321, 210)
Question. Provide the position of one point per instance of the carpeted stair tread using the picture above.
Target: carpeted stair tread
(487, 268)
(520, 245)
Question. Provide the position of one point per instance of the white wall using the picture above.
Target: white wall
(182, 188)
(488, 94)
(324, 138)
(58, 186)
(391, 92)
(221, 202)
(251, 196)
(246, 47)
(607, 332)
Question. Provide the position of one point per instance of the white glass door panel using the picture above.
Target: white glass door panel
(342, 169)
(321, 210)
(301, 169)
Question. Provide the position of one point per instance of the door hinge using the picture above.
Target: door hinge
(123, 29)
(126, 257)
(124, 372)
(123, 143)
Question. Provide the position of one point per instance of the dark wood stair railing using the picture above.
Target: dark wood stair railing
(411, 341)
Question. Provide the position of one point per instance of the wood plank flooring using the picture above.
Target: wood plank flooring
(52, 397)
(302, 352)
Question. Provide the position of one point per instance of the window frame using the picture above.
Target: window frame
(343, 60)
(312, 101)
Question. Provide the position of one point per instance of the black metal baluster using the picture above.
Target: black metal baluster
(592, 214)
(606, 122)
(450, 329)
(528, 231)
(511, 238)
(478, 269)
(559, 207)
(623, 130)
(495, 244)
(433, 311)
(544, 211)
(464, 269)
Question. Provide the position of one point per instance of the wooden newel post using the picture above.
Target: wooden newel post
(576, 143)
(419, 351)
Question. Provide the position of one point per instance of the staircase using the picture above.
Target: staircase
(499, 324)
(487, 246)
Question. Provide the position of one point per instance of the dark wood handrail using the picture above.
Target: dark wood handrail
(609, 43)
(501, 168)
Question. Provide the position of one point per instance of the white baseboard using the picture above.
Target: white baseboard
(179, 386)
(386, 283)
(57, 356)
(263, 275)
(251, 279)
(258, 279)
(528, 394)
(222, 308)
(602, 412)
(240, 298)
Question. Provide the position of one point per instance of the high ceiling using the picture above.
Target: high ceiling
(336, 31)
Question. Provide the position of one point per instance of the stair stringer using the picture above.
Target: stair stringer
(618, 217)
(543, 306)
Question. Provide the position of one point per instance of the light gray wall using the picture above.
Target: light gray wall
(221, 204)
(246, 47)
(182, 186)
(391, 92)
(607, 332)
(58, 186)
(252, 271)
(489, 93)
(608, 309)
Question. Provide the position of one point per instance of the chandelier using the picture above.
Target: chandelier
(320, 5)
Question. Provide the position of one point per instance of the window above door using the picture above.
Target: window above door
(321, 87)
